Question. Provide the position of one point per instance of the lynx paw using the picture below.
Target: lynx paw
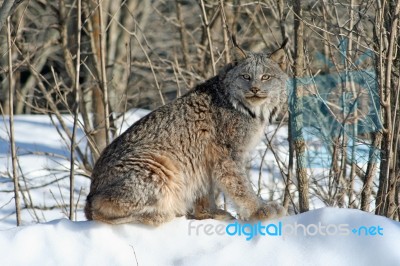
(222, 215)
(217, 214)
(268, 211)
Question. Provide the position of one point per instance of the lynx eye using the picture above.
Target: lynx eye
(265, 77)
(246, 76)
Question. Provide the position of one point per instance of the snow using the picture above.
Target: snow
(48, 238)
(62, 242)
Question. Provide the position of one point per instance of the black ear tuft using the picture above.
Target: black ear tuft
(239, 53)
(279, 56)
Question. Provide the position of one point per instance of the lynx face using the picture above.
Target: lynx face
(255, 83)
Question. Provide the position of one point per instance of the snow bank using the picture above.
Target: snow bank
(186, 242)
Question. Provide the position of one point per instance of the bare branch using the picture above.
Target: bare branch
(12, 141)
(6, 9)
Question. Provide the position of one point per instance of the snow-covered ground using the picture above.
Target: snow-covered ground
(326, 236)
(185, 242)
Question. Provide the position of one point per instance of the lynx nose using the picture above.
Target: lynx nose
(254, 90)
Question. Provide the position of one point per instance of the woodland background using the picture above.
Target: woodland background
(93, 60)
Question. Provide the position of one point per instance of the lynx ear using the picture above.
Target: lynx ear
(238, 53)
(279, 56)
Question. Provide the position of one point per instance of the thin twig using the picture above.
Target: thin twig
(226, 32)
(210, 45)
(104, 84)
(76, 113)
(134, 253)
(7, 9)
(12, 140)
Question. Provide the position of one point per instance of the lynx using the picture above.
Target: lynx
(169, 162)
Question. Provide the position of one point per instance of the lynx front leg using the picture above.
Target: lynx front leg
(205, 208)
(237, 186)
(268, 210)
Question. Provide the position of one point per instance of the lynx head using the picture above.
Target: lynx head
(256, 83)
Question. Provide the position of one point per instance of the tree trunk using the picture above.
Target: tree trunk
(297, 109)
(387, 178)
(98, 109)
(371, 171)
